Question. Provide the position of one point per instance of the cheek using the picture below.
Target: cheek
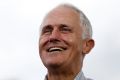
(76, 43)
(42, 41)
(68, 38)
(72, 39)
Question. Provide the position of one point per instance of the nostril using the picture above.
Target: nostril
(54, 40)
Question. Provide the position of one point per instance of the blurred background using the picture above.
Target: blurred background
(19, 33)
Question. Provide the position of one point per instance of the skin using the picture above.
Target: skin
(61, 28)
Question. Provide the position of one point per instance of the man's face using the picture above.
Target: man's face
(60, 43)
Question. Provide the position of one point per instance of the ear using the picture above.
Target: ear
(88, 44)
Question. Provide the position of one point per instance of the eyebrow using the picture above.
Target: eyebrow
(63, 25)
(46, 26)
(59, 25)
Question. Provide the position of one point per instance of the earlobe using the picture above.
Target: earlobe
(88, 45)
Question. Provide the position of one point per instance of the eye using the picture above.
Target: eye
(47, 29)
(65, 28)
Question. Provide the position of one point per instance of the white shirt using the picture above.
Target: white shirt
(81, 76)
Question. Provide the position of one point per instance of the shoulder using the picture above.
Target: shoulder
(89, 79)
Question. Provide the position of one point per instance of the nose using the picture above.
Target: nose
(55, 35)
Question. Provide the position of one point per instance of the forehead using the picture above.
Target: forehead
(62, 15)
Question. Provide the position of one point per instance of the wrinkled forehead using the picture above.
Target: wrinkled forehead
(62, 14)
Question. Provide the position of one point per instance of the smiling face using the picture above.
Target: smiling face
(61, 42)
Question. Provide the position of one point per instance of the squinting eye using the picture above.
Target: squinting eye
(47, 29)
(64, 28)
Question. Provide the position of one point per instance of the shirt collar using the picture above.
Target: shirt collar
(80, 76)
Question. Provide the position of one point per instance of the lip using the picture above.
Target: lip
(62, 48)
(55, 48)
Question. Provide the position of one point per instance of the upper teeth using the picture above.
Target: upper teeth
(55, 49)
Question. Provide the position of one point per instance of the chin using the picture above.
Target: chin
(53, 65)
(54, 59)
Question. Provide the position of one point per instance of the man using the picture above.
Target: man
(65, 39)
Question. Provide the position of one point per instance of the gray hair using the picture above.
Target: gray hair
(84, 22)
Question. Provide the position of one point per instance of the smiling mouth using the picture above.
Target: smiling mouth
(53, 49)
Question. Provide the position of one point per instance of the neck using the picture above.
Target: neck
(63, 74)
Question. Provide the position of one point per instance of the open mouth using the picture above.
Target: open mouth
(53, 49)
